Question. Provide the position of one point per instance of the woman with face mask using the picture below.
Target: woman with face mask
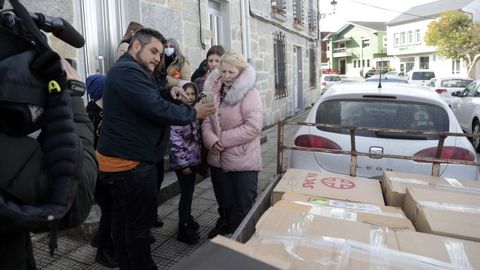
(175, 63)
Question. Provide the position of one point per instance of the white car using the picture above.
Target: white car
(395, 73)
(394, 106)
(329, 80)
(420, 77)
(447, 85)
(466, 107)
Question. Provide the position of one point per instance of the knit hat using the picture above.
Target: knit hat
(95, 84)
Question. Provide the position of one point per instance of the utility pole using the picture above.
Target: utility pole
(362, 61)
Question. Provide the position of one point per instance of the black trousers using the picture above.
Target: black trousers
(241, 192)
(103, 237)
(134, 195)
(187, 186)
(217, 177)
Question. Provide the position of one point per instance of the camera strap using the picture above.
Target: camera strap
(59, 141)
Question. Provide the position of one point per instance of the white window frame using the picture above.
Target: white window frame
(215, 24)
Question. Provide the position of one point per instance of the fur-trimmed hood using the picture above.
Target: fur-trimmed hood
(242, 84)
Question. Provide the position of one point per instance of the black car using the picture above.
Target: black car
(371, 72)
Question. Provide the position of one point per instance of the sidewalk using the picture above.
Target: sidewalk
(73, 253)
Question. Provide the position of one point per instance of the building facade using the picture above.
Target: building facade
(405, 35)
(279, 37)
(358, 47)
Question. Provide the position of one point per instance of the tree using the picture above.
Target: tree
(456, 36)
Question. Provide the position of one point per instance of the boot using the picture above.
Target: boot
(106, 257)
(221, 225)
(193, 224)
(187, 235)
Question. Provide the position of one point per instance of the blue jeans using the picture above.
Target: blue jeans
(134, 194)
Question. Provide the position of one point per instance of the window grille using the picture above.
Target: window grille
(313, 67)
(298, 15)
(279, 51)
(279, 7)
(312, 20)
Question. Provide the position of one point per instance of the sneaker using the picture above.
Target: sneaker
(106, 257)
(193, 224)
(187, 235)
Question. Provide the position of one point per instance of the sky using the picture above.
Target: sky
(363, 10)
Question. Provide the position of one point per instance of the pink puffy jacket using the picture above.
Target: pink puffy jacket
(237, 123)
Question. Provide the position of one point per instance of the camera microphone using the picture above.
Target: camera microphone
(59, 28)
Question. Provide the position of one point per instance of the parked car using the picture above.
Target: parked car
(420, 77)
(387, 79)
(395, 73)
(394, 106)
(372, 72)
(466, 108)
(329, 80)
(447, 85)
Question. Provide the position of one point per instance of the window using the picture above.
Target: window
(383, 65)
(368, 62)
(424, 62)
(397, 39)
(312, 17)
(455, 66)
(385, 41)
(402, 38)
(417, 36)
(363, 63)
(366, 43)
(354, 63)
(410, 37)
(391, 114)
(279, 50)
(298, 17)
(214, 23)
(313, 68)
(279, 7)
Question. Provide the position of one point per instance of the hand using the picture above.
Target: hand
(187, 171)
(70, 71)
(204, 109)
(178, 93)
(217, 147)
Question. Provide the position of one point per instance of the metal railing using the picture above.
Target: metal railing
(436, 162)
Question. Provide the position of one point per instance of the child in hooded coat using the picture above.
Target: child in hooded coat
(185, 156)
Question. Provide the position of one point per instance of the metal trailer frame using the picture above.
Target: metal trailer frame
(247, 228)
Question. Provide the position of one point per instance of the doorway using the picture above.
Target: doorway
(342, 64)
(298, 78)
(102, 29)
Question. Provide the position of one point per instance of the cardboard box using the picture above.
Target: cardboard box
(384, 216)
(461, 253)
(442, 212)
(394, 185)
(329, 185)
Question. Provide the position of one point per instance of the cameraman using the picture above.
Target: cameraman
(24, 179)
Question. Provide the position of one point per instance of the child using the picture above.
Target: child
(185, 155)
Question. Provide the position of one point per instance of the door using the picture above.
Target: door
(102, 28)
(298, 71)
(343, 66)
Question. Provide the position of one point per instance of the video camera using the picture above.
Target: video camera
(34, 95)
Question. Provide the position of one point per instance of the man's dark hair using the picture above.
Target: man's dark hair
(144, 36)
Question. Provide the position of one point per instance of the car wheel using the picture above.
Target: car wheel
(476, 130)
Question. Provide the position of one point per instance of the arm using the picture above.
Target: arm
(208, 135)
(140, 93)
(252, 124)
(177, 149)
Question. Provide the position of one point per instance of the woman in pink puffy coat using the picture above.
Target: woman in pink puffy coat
(232, 136)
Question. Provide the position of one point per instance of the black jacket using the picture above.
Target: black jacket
(136, 118)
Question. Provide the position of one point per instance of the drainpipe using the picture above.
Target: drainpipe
(244, 9)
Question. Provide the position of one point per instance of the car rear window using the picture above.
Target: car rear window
(458, 83)
(423, 75)
(383, 114)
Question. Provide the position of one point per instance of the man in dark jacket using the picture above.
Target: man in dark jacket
(135, 121)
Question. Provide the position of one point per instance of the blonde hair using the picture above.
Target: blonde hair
(235, 59)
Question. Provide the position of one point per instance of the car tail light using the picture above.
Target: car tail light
(316, 142)
(441, 91)
(448, 152)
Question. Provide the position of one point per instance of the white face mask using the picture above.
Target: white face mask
(169, 51)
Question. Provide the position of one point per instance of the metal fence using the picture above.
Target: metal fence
(436, 162)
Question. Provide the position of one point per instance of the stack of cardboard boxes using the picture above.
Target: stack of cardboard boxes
(330, 221)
